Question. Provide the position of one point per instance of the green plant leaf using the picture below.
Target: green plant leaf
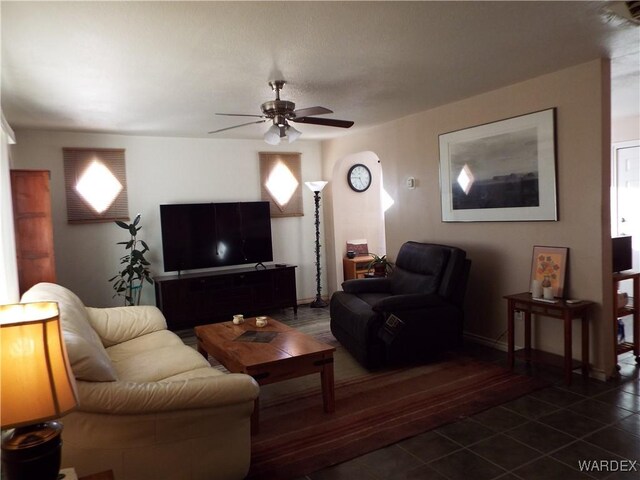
(128, 282)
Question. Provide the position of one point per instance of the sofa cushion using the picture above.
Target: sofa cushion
(88, 357)
(154, 357)
(204, 372)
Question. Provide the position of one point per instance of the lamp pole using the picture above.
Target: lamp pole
(316, 187)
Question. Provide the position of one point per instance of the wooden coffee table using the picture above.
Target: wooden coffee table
(269, 354)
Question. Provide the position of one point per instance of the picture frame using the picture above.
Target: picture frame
(501, 171)
(550, 262)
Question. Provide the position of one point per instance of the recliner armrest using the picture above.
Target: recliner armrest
(367, 285)
(411, 301)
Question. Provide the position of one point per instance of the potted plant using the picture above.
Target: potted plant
(380, 265)
(135, 267)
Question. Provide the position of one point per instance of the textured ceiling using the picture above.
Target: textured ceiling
(165, 68)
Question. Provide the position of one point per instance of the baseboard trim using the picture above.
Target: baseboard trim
(487, 342)
(595, 373)
(306, 301)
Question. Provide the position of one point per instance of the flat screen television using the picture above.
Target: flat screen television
(205, 235)
(622, 253)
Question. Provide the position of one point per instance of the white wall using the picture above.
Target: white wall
(164, 170)
(624, 129)
(9, 290)
(352, 215)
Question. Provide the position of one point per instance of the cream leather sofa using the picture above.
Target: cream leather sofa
(150, 407)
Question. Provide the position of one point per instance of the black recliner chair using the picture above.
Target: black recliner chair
(408, 316)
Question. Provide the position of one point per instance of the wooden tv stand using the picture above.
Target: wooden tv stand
(200, 298)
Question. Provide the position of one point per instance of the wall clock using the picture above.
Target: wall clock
(359, 177)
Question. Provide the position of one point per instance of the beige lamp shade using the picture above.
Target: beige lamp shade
(36, 379)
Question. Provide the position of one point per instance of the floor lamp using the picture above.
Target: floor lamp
(316, 187)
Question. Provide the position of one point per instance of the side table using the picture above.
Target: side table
(356, 267)
(624, 311)
(108, 475)
(70, 474)
(560, 309)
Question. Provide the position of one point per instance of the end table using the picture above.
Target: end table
(560, 309)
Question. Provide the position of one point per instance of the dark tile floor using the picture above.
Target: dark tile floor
(545, 435)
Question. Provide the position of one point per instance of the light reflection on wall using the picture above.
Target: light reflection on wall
(98, 186)
(281, 184)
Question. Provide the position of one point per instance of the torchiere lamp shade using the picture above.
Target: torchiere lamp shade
(316, 186)
(36, 378)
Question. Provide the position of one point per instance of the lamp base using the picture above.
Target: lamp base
(318, 303)
(32, 452)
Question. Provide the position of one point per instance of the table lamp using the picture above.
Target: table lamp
(37, 386)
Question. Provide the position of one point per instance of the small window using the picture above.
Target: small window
(95, 184)
(280, 180)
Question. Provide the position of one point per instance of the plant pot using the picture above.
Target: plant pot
(379, 270)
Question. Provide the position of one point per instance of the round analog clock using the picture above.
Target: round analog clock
(359, 177)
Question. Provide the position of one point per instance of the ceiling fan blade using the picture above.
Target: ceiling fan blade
(239, 115)
(305, 112)
(329, 122)
(236, 126)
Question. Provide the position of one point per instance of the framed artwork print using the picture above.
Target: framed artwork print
(549, 264)
(500, 171)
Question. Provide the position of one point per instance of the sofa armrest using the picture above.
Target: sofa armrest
(162, 396)
(397, 303)
(120, 324)
(367, 285)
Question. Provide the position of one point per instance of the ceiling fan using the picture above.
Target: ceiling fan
(281, 112)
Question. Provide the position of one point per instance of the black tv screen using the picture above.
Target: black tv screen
(205, 235)
(622, 253)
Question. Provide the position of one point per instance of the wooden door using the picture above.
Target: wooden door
(33, 227)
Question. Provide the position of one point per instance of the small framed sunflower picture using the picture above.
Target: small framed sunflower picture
(549, 267)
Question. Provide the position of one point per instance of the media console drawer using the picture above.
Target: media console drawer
(199, 298)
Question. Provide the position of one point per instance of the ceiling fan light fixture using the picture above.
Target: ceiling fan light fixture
(281, 112)
(272, 136)
(292, 134)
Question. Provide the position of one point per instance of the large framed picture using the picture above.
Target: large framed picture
(549, 267)
(500, 171)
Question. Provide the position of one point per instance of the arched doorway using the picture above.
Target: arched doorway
(355, 215)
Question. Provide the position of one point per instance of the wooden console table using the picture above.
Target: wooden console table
(200, 298)
(523, 302)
